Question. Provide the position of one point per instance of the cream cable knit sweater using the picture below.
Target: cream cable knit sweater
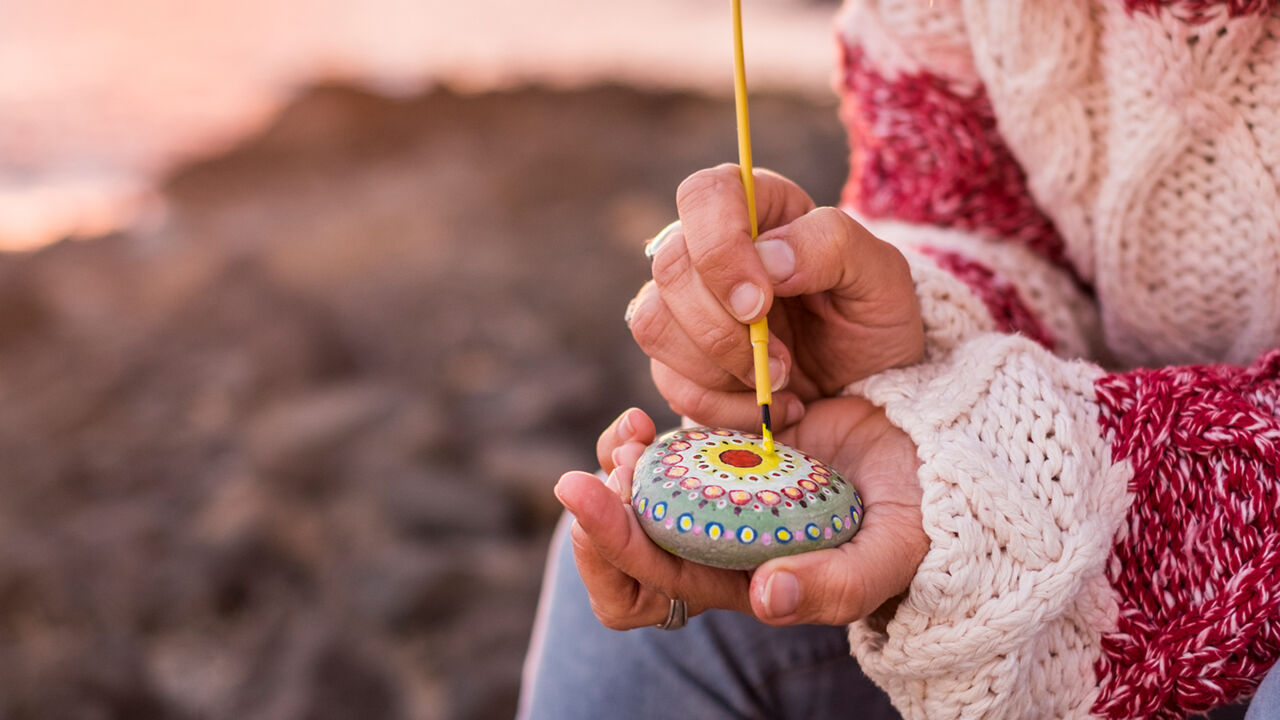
(1079, 185)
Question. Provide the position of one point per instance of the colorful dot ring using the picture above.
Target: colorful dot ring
(717, 497)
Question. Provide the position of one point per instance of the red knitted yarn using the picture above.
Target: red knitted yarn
(999, 295)
(925, 153)
(1198, 11)
(1197, 568)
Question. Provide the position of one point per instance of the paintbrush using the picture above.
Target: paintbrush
(759, 330)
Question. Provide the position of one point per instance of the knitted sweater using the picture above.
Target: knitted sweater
(1083, 188)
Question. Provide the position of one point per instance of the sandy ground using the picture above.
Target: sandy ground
(286, 450)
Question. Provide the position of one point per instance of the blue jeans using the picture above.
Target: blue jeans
(721, 666)
(1266, 702)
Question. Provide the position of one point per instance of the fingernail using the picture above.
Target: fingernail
(645, 296)
(746, 301)
(613, 482)
(615, 455)
(781, 595)
(625, 427)
(778, 258)
(631, 310)
(795, 410)
(560, 497)
(777, 374)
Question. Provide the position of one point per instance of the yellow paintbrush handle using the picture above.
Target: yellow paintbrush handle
(760, 329)
(764, 395)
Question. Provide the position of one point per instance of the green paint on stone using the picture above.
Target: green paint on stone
(726, 502)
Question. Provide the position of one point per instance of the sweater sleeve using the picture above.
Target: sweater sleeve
(930, 173)
(1102, 543)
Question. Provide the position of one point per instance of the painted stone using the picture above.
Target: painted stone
(716, 497)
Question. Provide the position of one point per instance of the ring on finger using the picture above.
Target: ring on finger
(651, 248)
(677, 616)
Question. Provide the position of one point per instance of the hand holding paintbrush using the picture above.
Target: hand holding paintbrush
(843, 307)
(841, 301)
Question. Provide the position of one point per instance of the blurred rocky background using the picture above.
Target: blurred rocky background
(284, 449)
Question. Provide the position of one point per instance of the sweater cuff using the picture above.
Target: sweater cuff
(1021, 504)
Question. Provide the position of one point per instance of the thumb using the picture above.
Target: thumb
(825, 250)
(842, 584)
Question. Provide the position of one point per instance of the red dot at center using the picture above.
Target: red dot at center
(740, 458)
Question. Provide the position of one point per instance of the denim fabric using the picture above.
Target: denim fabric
(721, 665)
(1266, 702)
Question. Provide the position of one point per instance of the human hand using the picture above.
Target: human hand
(840, 302)
(631, 580)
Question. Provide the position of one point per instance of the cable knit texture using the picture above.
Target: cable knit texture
(1021, 501)
(927, 153)
(1081, 187)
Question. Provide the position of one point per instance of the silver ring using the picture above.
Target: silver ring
(677, 616)
(651, 247)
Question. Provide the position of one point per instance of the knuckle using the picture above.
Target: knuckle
(610, 619)
(833, 227)
(717, 238)
(682, 399)
(604, 454)
(848, 592)
(854, 592)
(720, 343)
(726, 262)
(669, 267)
(581, 543)
(703, 186)
(829, 215)
(840, 237)
(855, 596)
(901, 267)
(649, 324)
(691, 401)
(713, 408)
(703, 408)
(841, 592)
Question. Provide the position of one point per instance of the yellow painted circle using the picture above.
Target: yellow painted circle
(769, 461)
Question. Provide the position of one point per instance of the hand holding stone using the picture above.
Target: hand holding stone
(630, 579)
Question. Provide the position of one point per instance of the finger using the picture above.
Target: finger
(616, 535)
(633, 425)
(620, 481)
(846, 583)
(618, 601)
(825, 250)
(706, 326)
(661, 336)
(722, 409)
(612, 527)
(625, 459)
(717, 227)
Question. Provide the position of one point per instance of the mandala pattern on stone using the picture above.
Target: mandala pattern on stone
(701, 493)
